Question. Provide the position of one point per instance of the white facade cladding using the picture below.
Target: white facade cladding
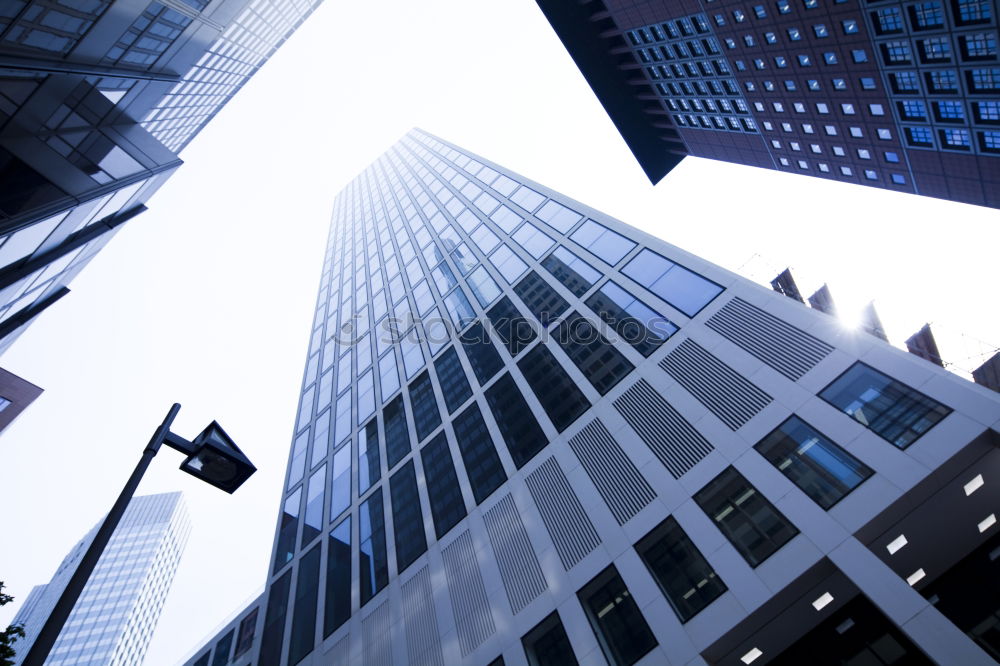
(531, 434)
(115, 616)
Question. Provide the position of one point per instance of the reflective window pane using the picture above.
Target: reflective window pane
(447, 505)
(615, 618)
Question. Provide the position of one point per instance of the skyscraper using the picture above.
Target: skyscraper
(529, 433)
(114, 619)
(96, 99)
(899, 95)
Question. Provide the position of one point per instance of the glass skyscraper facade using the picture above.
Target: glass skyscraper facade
(97, 97)
(116, 614)
(899, 95)
(531, 434)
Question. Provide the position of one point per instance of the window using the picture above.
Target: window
(949, 111)
(888, 20)
(543, 301)
(830, 58)
(517, 424)
(548, 645)
(598, 360)
(312, 522)
(273, 633)
(896, 52)
(483, 357)
(781, 62)
(447, 505)
(770, 38)
(893, 411)
(532, 239)
(847, 109)
(898, 178)
(284, 550)
(602, 242)
(936, 49)
(459, 308)
(850, 26)
(407, 518)
(338, 578)
(302, 638)
(927, 15)
(759, 11)
(821, 469)
(856, 132)
(508, 264)
(820, 30)
(912, 109)
(942, 81)
(527, 198)
(784, 6)
(515, 331)
(558, 216)
(482, 464)
(983, 80)
(574, 273)
(636, 323)
(614, 616)
(989, 141)
(297, 465)
(222, 649)
(426, 416)
(451, 377)
(373, 564)
(919, 136)
(397, 437)
(859, 55)
(754, 527)
(369, 470)
(683, 289)
(987, 112)
(559, 395)
(973, 11)
(483, 287)
(955, 138)
(248, 628)
(867, 83)
(388, 375)
(794, 34)
(686, 579)
(876, 109)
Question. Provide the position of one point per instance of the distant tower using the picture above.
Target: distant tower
(115, 616)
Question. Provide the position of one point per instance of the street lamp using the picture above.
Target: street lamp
(213, 457)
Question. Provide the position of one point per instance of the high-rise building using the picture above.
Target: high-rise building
(116, 614)
(899, 95)
(529, 433)
(96, 99)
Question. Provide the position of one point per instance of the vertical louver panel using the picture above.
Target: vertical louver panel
(674, 441)
(473, 619)
(423, 643)
(375, 632)
(340, 653)
(622, 487)
(571, 530)
(522, 576)
(787, 349)
(726, 393)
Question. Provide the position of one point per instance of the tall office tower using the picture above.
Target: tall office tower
(899, 95)
(114, 619)
(530, 431)
(96, 99)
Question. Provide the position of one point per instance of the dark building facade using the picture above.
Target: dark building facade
(899, 95)
(97, 97)
(15, 396)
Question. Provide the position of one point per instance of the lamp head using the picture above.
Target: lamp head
(217, 460)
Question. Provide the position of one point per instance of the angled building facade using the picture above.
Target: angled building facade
(531, 434)
(899, 95)
(97, 97)
(114, 619)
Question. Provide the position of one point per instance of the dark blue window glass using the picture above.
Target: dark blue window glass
(372, 560)
(636, 323)
(559, 395)
(602, 364)
(893, 411)
(303, 636)
(369, 470)
(823, 470)
(407, 519)
(483, 356)
(518, 427)
(273, 634)
(451, 377)
(543, 301)
(426, 416)
(284, 551)
(447, 505)
(397, 435)
(482, 464)
(338, 578)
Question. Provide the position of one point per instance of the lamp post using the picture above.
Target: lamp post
(213, 457)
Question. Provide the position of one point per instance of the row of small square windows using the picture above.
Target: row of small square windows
(698, 87)
(716, 123)
(709, 105)
(930, 16)
(922, 137)
(972, 47)
(847, 171)
(946, 81)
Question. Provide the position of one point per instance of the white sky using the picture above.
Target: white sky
(207, 298)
